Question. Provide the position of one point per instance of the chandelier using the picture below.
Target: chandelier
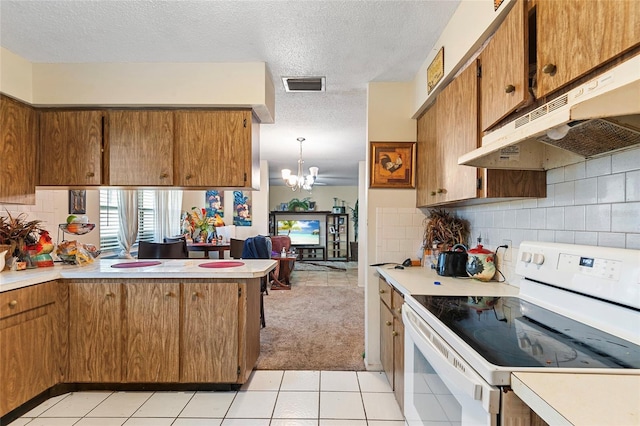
(299, 181)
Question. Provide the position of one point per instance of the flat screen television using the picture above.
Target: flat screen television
(301, 232)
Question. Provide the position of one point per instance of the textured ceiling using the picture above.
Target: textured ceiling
(350, 42)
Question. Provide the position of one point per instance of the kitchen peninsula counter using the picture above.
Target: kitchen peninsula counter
(175, 325)
(167, 269)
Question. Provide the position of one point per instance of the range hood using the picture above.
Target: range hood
(596, 118)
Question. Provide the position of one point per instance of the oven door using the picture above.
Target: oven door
(439, 385)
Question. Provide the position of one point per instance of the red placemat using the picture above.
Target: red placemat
(220, 264)
(136, 264)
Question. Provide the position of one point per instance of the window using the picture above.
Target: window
(109, 222)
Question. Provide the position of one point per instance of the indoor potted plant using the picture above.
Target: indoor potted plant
(299, 205)
(18, 232)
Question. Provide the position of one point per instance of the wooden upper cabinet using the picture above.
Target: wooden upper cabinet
(574, 37)
(458, 134)
(428, 164)
(151, 332)
(213, 148)
(18, 147)
(504, 84)
(70, 148)
(139, 148)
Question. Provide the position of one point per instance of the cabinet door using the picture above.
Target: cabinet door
(139, 148)
(209, 345)
(152, 313)
(26, 354)
(398, 360)
(504, 81)
(18, 141)
(95, 332)
(458, 134)
(213, 148)
(70, 148)
(386, 341)
(429, 164)
(574, 37)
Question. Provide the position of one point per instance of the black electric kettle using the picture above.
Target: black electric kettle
(453, 263)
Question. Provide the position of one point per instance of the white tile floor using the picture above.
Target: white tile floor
(269, 398)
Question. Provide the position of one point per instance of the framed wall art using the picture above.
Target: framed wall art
(392, 165)
(77, 201)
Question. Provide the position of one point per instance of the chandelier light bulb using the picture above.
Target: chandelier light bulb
(300, 181)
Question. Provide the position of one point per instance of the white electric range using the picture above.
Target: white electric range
(578, 311)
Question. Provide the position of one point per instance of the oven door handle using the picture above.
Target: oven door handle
(448, 364)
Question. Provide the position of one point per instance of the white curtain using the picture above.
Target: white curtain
(167, 213)
(128, 216)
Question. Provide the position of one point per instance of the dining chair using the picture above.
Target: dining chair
(258, 247)
(235, 248)
(174, 250)
(180, 238)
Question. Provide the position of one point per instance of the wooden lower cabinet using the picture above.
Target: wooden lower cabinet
(392, 338)
(209, 346)
(151, 329)
(95, 332)
(27, 351)
(159, 331)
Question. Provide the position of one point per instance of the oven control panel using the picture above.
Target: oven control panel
(591, 266)
(608, 273)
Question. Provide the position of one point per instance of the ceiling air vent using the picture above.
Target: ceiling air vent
(303, 84)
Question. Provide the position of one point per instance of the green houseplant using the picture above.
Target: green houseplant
(299, 205)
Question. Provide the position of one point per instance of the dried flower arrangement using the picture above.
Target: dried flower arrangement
(443, 229)
(17, 232)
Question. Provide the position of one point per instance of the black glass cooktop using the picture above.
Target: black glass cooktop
(511, 332)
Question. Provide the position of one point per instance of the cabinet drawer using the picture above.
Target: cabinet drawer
(384, 289)
(21, 300)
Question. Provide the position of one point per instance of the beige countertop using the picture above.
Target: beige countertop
(420, 280)
(102, 268)
(581, 399)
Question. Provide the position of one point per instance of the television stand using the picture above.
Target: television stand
(311, 252)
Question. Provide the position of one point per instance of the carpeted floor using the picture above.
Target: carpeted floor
(317, 325)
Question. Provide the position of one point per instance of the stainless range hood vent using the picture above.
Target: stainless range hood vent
(304, 84)
(596, 118)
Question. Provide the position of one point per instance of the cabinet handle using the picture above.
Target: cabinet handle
(109, 294)
(13, 303)
(387, 323)
(433, 193)
(394, 333)
(168, 294)
(194, 295)
(90, 174)
(549, 69)
(441, 190)
(187, 177)
(382, 291)
(399, 310)
(164, 175)
(510, 88)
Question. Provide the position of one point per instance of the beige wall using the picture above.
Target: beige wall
(248, 84)
(322, 195)
(16, 75)
(388, 119)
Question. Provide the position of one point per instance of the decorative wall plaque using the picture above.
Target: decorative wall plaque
(435, 72)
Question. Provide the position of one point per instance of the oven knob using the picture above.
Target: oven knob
(538, 258)
(525, 257)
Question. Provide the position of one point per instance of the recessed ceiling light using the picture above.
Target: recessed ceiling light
(304, 84)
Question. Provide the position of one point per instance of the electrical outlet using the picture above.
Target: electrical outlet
(508, 251)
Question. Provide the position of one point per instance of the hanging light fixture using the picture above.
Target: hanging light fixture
(299, 181)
